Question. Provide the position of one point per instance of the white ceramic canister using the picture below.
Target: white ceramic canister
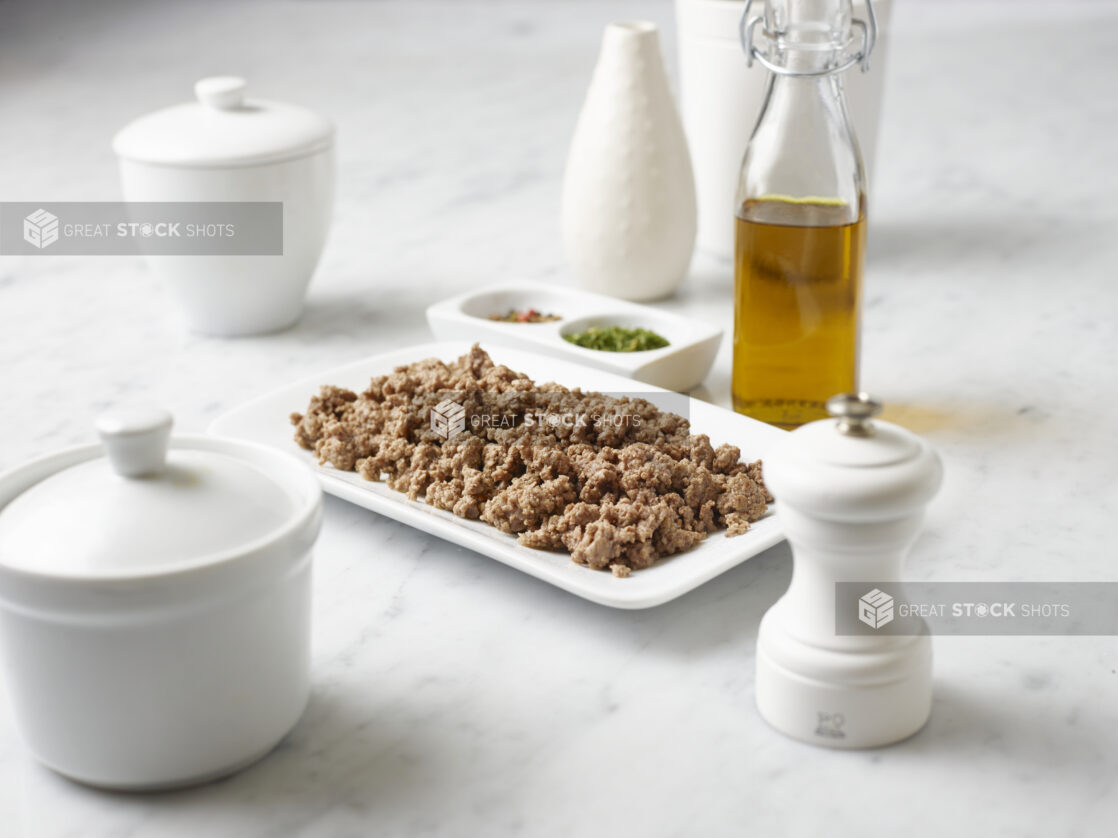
(155, 603)
(224, 147)
(720, 100)
(850, 495)
(628, 212)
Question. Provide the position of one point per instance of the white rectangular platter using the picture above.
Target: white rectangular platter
(265, 420)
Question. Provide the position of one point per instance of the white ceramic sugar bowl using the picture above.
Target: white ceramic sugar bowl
(226, 148)
(850, 495)
(155, 603)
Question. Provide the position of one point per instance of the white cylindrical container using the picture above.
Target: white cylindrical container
(226, 148)
(155, 603)
(850, 495)
(720, 100)
(628, 212)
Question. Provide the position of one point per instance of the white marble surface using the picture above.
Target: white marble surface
(455, 696)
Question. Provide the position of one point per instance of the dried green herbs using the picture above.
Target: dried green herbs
(617, 339)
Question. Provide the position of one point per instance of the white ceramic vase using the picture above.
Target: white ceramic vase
(629, 212)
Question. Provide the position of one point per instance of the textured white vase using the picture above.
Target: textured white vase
(629, 194)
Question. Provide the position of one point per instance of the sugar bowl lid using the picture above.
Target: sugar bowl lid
(853, 467)
(151, 505)
(223, 128)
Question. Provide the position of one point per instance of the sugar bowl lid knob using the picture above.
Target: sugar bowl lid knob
(135, 439)
(225, 93)
(854, 412)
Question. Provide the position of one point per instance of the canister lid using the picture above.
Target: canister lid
(141, 508)
(223, 128)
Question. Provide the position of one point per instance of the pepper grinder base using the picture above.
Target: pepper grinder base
(843, 699)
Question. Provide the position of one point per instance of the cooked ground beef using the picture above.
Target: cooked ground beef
(616, 494)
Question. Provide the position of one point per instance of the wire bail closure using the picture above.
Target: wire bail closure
(749, 23)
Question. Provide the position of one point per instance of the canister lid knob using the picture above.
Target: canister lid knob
(854, 412)
(226, 93)
(135, 439)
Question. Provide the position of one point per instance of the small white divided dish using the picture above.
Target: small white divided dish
(265, 420)
(680, 366)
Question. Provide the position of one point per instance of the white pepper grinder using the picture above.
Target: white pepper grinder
(850, 493)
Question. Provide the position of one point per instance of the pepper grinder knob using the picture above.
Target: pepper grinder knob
(135, 439)
(854, 412)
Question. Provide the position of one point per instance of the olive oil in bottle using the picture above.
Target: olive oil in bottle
(797, 299)
(801, 215)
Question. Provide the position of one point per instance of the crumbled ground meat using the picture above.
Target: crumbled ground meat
(615, 494)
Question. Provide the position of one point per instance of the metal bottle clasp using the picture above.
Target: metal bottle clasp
(749, 23)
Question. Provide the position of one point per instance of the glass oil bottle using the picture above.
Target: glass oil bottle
(800, 215)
